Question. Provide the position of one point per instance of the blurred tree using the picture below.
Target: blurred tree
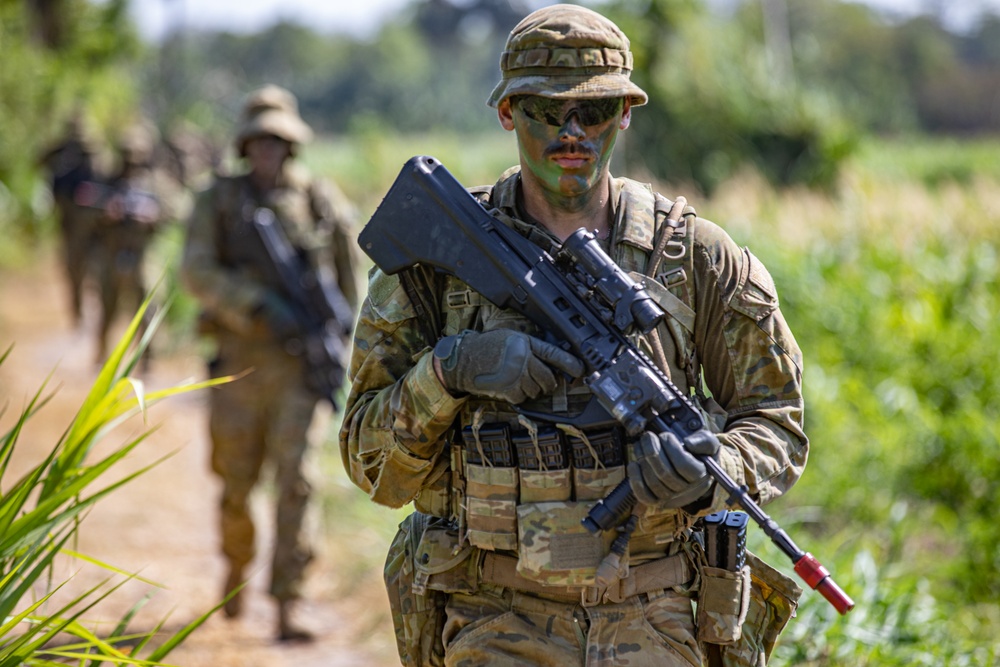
(431, 66)
(48, 26)
(716, 102)
(844, 49)
(953, 79)
(54, 66)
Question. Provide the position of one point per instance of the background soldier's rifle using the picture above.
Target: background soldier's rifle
(324, 317)
(585, 301)
(138, 206)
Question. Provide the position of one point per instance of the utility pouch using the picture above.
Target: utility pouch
(491, 507)
(542, 466)
(773, 599)
(418, 619)
(441, 565)
(554, 548)
(724, 596)
(723, 602)
(596, 484)
(491, 486)
(598, 463)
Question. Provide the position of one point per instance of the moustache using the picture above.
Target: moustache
(574, 152)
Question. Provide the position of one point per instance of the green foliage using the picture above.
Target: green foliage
(719, 101)
(41, 85)
(933, 163)
(41, 511)
(892, 288)
(902, 350)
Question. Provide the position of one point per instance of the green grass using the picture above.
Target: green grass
(931, 161)
(366, 165)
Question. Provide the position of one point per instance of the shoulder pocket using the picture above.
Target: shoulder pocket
(756, 297)
(388, 298)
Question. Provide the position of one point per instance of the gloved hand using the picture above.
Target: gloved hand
(277, 316)
(503, 364)
(665, 472)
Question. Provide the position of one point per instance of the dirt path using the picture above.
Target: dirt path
(162, 526)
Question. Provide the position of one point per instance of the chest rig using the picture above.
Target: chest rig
(238, 245)
(507, 471)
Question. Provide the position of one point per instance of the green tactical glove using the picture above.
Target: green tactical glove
(503, 364)
(666, 472)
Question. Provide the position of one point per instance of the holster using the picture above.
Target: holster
(770, 604)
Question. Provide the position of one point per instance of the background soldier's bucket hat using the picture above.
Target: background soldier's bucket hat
(271, 111)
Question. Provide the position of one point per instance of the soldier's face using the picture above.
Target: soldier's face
(565, 145)
(266, 154)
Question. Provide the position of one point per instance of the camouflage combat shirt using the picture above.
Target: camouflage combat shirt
(227, 267)
(398, 413)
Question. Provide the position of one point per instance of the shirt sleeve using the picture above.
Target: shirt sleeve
(751, 364)
(397, 412)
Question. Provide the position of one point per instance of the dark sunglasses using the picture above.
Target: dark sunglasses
(550, 111)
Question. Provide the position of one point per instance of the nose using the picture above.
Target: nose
(572, 128)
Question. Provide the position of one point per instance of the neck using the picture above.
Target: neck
(563, 215)
(264, 180)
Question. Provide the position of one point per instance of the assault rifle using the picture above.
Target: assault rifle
(585, 301)
(138, 206)
(321, 311)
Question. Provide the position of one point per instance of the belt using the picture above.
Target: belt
(668, 572)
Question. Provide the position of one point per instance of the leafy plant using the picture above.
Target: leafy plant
(41, 511)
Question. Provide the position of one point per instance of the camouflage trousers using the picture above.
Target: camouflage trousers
(122, 286)
(78, 249)
(500, 627)
(262, 418)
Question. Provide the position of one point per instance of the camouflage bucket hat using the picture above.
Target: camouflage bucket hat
(271, 111)
(566, 51)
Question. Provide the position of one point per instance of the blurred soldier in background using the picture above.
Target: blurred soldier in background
(190, 157)
(134, 204)
(264, 416)
(72, 161)
(494, 567)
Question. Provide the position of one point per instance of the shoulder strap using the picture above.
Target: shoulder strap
(421, 289)
(671, 218)
(672, 265)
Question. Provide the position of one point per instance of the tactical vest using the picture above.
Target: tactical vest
(506, 472)
(237, 244)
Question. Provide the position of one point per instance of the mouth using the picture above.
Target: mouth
(571, 160)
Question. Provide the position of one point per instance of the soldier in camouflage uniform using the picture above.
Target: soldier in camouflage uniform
(70, 162)
(494, 567)
(135, 204)
(265, 415)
